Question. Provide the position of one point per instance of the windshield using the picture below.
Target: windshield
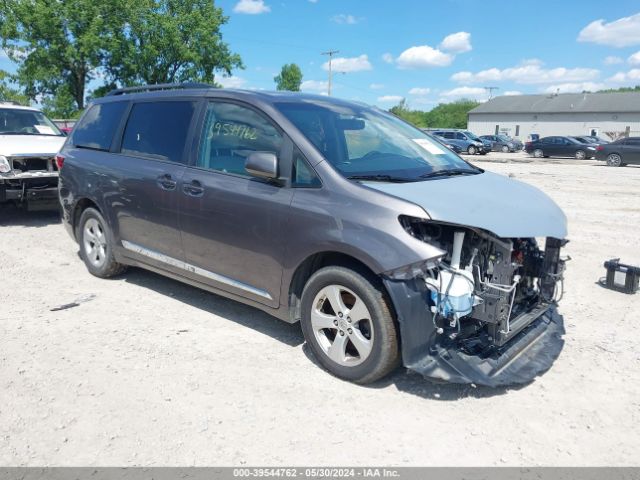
(15, 121)
(472, 136)
(367, 144)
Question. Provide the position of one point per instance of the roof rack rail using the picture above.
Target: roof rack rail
(159, 86)
(10, 102)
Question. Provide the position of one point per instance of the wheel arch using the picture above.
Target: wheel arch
(80, 206)
(315, 262)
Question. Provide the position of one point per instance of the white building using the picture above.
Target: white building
(608, 115)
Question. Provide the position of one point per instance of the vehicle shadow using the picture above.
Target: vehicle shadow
(412, 383)
(10, 215)
(291, 335)
(237, 312)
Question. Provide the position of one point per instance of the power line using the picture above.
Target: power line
(330, 53)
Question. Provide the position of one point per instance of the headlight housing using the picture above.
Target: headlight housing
(5, 166)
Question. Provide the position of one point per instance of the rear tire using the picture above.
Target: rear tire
(580, 155)
(614, 160)
(361, 349)
(505, 149)
(96, 245)
(537, 153)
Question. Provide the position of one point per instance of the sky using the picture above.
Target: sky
(434, 51)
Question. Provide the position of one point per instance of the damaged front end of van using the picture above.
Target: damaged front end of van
(484, 310)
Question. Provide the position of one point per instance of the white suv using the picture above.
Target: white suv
(29, 142)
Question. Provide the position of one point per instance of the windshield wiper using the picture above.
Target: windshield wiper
(380, 178)
(450, 173)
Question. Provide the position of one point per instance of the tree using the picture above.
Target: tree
(58, 44)
(621, 89)
(167, 41)
(60, 105)
(289, 78)
(8, 92)
(445, 115)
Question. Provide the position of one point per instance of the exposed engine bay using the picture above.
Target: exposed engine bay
(486, 290)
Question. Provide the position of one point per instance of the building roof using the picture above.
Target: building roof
(563, 103)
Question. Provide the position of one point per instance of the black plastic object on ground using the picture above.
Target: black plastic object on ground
(621, 277)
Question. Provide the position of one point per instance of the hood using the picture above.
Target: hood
(508, 208)
(30, 144)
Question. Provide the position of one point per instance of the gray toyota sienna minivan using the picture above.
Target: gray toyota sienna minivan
(387, 247)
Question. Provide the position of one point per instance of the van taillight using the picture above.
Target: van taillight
(59, 159)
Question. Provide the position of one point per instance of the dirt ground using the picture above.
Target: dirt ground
(148, 371)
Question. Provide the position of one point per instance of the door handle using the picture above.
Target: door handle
(166, 182)
(193, 189)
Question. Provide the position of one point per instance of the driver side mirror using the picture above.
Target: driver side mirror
(262, 165)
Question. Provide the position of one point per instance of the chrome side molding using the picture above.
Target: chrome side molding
(174, 262)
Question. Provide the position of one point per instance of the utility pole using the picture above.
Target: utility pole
(490, 91)
(331, 53)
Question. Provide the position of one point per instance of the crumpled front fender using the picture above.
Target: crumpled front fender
(527, 355)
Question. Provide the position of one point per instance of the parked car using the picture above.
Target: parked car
(503, 143)
(560, 147)
(588, 140)
(65, 125)
(467, 141)
(451, 146)
(598, 140)
(384, 245)
(620, 153)
(28, 144)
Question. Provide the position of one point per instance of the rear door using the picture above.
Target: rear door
(631, 152)
(555, 147)
(234, 226)
(148, 169)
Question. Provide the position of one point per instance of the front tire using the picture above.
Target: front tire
(614, 160)
(96, 245)
(471, 150)
(348, 324)
(505, 149)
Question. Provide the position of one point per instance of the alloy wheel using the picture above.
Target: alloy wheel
(342, 325)
(537, 153)
(614, 160)
(580, 155)
(95, 242)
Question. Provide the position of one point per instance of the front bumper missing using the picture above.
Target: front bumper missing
(527, 354)
(38, 192)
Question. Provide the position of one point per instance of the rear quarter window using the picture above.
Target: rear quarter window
(97, 127)
(158, 130)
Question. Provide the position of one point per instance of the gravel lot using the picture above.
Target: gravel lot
(147, 371)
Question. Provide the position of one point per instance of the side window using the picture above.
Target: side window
(231, 132)
(449, 135)
(97, 127)
(158, 129)
(460, 136)
(302, 175)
